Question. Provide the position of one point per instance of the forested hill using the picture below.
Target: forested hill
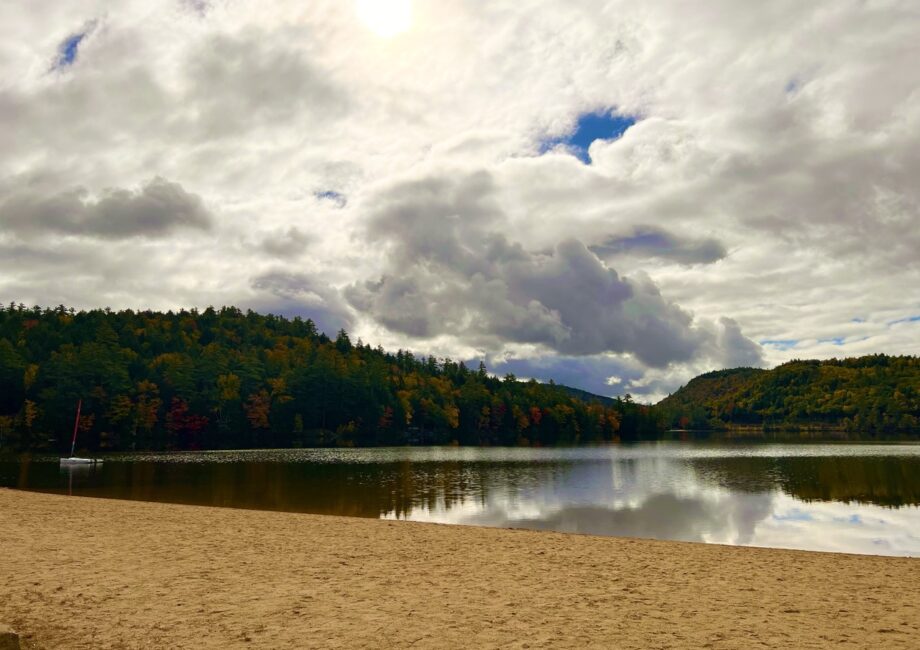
(872, 395)
(228, 379)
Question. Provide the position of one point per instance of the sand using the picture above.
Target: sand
(94, 573)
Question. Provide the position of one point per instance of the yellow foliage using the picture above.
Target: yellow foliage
(29, 413)
(30, 374)
(228, 387)
(404, 399)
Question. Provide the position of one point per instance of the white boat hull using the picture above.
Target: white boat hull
(80, 461)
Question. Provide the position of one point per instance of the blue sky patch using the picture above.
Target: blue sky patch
(794, 515)
(600, 125)
(909, 319)
(837, 340)
(67, 51)
(780, 344)
(338, 198)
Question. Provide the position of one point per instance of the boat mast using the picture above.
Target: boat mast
(76, 424)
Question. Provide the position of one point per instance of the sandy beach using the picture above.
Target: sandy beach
(93, 573)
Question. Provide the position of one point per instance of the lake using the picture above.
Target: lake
(856, 498)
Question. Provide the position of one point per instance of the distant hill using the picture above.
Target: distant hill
(874, 395)
(697, 404)
(588, 398)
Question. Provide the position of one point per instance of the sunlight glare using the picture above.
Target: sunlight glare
(386, 18)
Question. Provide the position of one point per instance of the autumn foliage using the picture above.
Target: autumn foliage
(228, 379)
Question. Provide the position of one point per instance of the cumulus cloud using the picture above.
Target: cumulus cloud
(734, 349)
(298, 294)
(154, 210)
(249, 81)
(450, 270)
(289, 243)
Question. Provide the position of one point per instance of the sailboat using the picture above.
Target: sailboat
(73, 460)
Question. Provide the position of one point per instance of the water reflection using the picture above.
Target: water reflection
(660, 516)
(652, 497)
(883, 480)
(825, 497)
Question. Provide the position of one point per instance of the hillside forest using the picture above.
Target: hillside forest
(865, 397)
(219, 379)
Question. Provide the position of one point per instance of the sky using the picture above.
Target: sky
(616, 195)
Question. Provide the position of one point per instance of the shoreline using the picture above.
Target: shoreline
(82, 572)
(475, 526)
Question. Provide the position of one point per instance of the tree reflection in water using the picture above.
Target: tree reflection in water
(891, 481)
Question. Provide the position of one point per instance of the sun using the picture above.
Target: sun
(386, 18)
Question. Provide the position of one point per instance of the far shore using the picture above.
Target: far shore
(94, 573)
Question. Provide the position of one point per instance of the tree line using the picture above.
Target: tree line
(224, 378)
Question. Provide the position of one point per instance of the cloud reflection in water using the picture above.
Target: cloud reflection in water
(684, 499)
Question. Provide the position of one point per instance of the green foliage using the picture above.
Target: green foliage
(12, 371)
(228, 379)
(876, 395)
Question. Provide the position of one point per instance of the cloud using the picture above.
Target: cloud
(450, 270)
(290, 243)
(297, 294)
(736, 349)
(199, 7)
(155, 210)
(651, 241)
(248, 81)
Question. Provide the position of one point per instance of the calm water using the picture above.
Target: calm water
(853, 498)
